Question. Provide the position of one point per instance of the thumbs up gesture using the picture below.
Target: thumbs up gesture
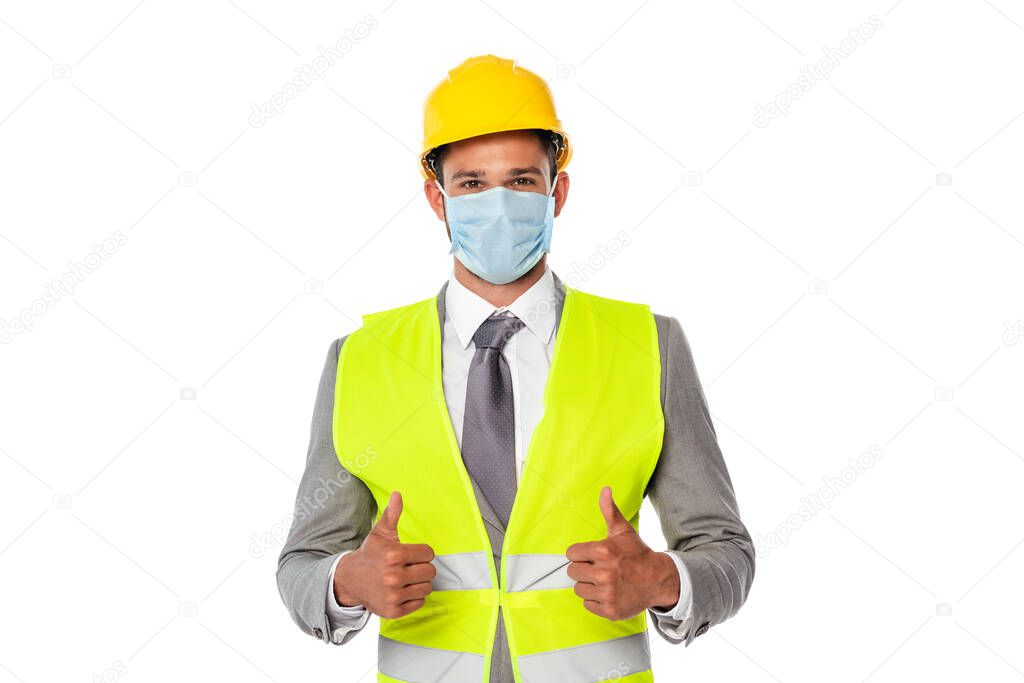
(388, 577)
(620, 576)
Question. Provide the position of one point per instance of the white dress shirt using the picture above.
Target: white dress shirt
(528, 353)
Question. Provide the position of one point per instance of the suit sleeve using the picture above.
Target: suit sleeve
(693, 495)
(333, 513)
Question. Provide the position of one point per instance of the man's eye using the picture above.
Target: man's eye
(523, 181)
(470, 184)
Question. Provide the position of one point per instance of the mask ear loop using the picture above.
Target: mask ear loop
(452, 235)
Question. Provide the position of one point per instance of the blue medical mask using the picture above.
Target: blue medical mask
(499, 234)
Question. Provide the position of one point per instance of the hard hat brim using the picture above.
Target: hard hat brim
(561, 160)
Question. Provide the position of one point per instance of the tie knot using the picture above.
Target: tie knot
(496, 330)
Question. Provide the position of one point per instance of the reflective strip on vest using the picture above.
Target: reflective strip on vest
(417, 664)
(606, 660)
(462, 572)
(537, 572)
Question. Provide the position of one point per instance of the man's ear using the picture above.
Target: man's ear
(561, 191)
(434, 198)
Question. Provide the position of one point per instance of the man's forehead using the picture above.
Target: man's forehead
(508, 153)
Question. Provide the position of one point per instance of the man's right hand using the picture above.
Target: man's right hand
(389, 578)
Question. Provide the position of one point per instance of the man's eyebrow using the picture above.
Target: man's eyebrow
(468, 173)
(526, 170)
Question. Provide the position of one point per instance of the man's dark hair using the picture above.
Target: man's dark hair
(548, 139)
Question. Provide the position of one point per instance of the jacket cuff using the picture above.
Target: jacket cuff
(706, 591)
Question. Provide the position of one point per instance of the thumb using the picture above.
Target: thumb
(617, 524)
(387, 525)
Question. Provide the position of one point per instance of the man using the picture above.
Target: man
(478, 459)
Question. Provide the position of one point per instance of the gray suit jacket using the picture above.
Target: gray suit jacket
(690, 490)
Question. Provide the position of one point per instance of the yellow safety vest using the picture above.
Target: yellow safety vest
(602, 424)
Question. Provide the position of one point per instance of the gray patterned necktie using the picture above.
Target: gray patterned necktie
(488, 429)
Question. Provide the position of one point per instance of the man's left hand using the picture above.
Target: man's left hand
(620, 576)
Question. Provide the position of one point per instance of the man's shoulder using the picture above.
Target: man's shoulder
(671, 337)
(389, 315)
(398, 313)
(667, 324)
(661, 320)
(335, 349)
(664, 320)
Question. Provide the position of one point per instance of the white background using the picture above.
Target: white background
(839, 294)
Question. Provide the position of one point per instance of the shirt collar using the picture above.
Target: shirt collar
(535, 307)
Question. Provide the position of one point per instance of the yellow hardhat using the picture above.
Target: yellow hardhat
(488, 94)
